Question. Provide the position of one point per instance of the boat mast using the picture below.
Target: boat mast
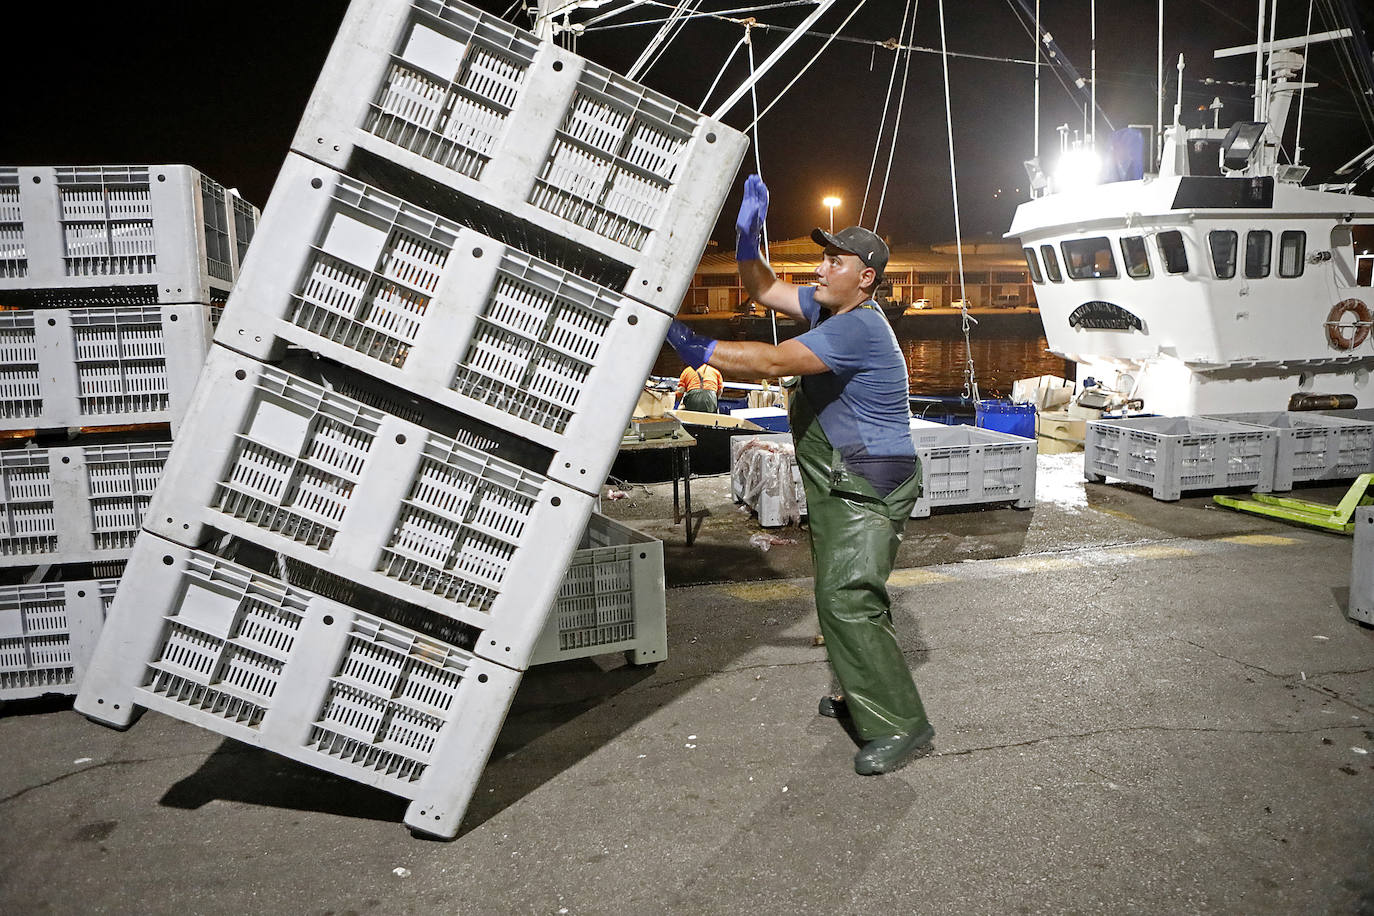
(1259, 66)
(1092, 76)
(1035, 146)
(1159, 89)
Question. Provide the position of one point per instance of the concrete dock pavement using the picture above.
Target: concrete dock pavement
(1140, 707)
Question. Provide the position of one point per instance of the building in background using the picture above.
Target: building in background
(917, 276)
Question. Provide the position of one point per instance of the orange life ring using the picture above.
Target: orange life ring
(1335, 331)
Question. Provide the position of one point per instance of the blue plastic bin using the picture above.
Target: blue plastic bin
(1007, 417)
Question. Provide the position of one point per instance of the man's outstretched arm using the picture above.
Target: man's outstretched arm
(758, 278)
(744, 358)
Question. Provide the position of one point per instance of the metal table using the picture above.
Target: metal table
(679, 444)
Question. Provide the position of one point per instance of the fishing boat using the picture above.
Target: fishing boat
(1211, 275)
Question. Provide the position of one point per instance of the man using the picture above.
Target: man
(850, 421)
(700, 388)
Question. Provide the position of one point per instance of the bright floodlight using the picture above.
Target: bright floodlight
(1077, 169)
(832, 203)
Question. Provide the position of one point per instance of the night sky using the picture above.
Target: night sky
(221, 87)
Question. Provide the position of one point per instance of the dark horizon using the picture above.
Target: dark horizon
(223, 93)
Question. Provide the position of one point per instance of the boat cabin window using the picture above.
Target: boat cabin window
(1051, 263)
(1033, 265)
(1171, 249)
(1292, 249)
(1133, 255)
(1223, 244)
(1362, 240)
(1088, 258)
(1259, 247)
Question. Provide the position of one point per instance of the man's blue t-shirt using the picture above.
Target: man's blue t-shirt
(862, 402)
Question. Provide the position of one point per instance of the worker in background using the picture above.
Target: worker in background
(850, 422)
(699, 388)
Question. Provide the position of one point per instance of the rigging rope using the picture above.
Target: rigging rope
(970, 383)
(758, 166)
(725, 66)
(723, 15)
(882, 122)
(662, 38)
(858, 6)
(896, 126)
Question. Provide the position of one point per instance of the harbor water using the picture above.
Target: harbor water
(1006, 348)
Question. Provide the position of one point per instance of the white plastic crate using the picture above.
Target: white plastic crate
(366, 696)
(764, 476)
(1360, 605)
(110, 366)
(1170, 455)
(371, 281)
(362, 494)
(47, 635)
(529, 134)
(131, 234)
(968, 465)
(75, 505)
(1313, 446)
(960, 466)
(612, 599)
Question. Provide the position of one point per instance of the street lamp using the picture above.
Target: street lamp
(832, 203)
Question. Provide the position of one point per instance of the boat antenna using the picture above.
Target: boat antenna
(1077, 85)
(1035, 139)
(1260, 81)
(1302, 89)
(1092, 70)
(1159, 88)
(970, 383)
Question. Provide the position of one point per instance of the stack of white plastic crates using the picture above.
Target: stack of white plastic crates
(379, 510)
(108, 278)
(125, 234)
(1171, 455)
(1313, 446)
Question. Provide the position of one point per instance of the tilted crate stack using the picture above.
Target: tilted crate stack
(108, 278)
(379, 511)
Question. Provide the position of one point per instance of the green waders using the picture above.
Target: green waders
(854, 538)
(698, 399)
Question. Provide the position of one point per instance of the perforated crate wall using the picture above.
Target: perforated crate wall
(132, 234)
(1171, 455)
(247, 655)
(969, 465)
(75, 505)
(529, 134)
(88, 367)
(371, 281)
(1313, 446)
(380, 501)
(47, 635)
(14, 261)
(612, 599)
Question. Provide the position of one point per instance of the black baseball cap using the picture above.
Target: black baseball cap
(856, 241)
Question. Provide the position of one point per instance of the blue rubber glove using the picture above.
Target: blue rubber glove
(753, 210)
(693, 348)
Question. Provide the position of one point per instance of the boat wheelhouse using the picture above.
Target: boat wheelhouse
(1220, 283)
